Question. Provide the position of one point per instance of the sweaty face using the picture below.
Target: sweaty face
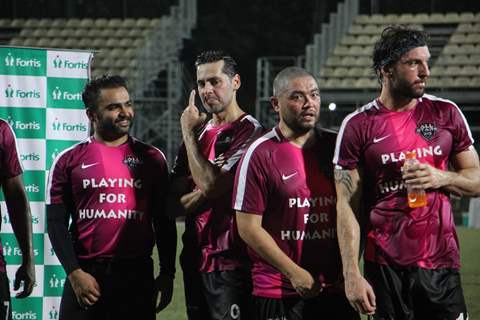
(215, 88)
(299, 104)
(114, 115)
(409, 74)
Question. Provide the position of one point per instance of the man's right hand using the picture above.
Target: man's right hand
(360, 294)
(191, 117)
(85, 287)
(303, 282)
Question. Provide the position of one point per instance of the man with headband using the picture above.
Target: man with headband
(411, 255)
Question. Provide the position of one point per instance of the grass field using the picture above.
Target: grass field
(469, 243)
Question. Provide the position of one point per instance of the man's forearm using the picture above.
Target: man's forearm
(465, 182)
(348, 233)
(20, 216)
(181, 205)
(191, 201)
(348, 188)
(166, 241)
(22, 227)
(264, 245)
(60, 238)
(204, 173)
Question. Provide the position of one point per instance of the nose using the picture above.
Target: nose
(311, 101)
(424, 70)
(126, 109)
(207, 87)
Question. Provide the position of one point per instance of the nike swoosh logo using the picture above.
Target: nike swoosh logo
(284, 177)
(85, 166)
(377, 140)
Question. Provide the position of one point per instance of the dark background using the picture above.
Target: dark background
(247, 29)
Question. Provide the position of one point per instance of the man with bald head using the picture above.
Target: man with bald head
(284, 196)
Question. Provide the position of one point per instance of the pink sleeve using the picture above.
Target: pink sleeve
(9, 160)
(462, 137)
(250, 190)
(58, 181)
(348, 146)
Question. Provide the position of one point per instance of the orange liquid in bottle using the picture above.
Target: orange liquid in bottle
(416, 200)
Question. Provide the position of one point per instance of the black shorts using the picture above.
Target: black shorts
(5, 302)
(416, 293)
(228, 294)
(327, 305)
(195, 301)
(126, 286)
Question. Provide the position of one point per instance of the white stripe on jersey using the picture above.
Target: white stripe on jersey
(242, 175)
(50, 174)
(344, 124)
(237, 155)
(15, 142)
(434, 98)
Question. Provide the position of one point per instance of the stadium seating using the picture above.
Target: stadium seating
(455, 61)
(117, 43)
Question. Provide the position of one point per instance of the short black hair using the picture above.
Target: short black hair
(286, 75)
(229, 64)
(91, 92)
(394, 42)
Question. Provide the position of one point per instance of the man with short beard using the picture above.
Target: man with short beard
(411, 255)
(284, 195)
(215, 272)
(113, 188)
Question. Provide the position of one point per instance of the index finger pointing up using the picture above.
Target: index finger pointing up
(191, 100)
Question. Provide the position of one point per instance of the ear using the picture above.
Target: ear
(90, 115)
(274, 102)
(236, 81)
(387, 72)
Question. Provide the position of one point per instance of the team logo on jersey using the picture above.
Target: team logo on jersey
(427, 130)
(223, 142)
(132, 161)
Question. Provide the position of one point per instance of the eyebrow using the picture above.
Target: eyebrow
(303, 92)
(208, 79)
(118, 103)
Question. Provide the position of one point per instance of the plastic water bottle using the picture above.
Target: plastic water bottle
(416, 196)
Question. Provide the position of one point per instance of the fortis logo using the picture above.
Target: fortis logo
(30, 157)
(9, 91)
(57, 94)
(18, 93)
(33, 188)
(59, 63)
(11, 61)
(20, 125)
(58, 126)
(29, 315)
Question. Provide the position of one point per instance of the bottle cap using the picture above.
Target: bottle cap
(411, 155)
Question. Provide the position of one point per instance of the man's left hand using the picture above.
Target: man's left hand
(424, 176)
(25, 274)
(163, 285)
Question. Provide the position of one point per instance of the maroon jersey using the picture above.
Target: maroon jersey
(9, 164)
(112, 194)
(210, 228)
(293, 189)
(376, 140)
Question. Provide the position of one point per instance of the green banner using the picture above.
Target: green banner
(65, 93)
(22, 62)
(40, 97)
